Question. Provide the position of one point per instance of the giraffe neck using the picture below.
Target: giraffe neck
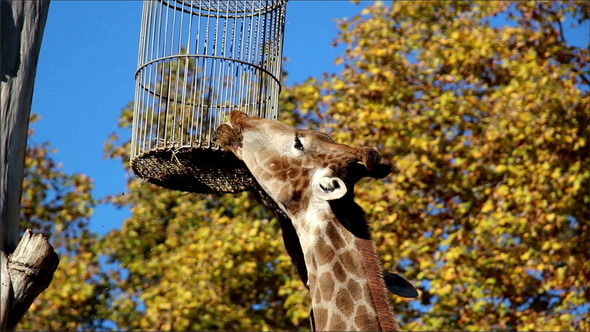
(290, 238)
(345, 276)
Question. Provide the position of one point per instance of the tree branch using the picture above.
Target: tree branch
(30, 270)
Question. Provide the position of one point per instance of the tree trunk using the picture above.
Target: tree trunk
(28, 271)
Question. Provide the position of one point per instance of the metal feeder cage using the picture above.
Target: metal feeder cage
(198, 61)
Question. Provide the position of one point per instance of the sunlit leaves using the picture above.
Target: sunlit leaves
(481, 107)
(59, 205)
(76, 299)
(201, 262)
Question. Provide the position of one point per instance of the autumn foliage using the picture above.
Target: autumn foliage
(484, 110)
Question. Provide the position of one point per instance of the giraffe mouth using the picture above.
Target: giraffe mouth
(361, 169)
(367, 163)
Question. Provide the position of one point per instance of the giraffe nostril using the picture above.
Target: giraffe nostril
(372, 159)
(330, 185)
(335, 184)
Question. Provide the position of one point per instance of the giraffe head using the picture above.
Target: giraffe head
(295, 166)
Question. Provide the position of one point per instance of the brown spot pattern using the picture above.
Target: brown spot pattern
(350, 263)
(333, 234)
(345, 302)
(327, 285)
(361, 317)
(337, 324)
(317, 296)
(321, 318)
(324, 252)
(339, 272)
(355, 289)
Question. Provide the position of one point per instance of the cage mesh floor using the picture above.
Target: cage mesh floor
(196, 170)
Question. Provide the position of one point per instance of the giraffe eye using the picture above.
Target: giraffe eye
(298, 144)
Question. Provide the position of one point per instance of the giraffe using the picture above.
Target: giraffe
(311, 179)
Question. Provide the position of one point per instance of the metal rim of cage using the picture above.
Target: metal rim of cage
(212, 8)
(153, 92)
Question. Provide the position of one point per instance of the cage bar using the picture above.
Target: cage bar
(198, 61)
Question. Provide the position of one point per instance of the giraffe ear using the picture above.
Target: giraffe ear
(398, 285)
(329, 188)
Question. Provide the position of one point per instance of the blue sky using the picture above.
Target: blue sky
(86, 74)
(85, 77)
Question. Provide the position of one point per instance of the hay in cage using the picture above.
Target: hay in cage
(198, 61)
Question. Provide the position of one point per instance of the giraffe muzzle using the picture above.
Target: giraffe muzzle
(370, 157)
(372, 164)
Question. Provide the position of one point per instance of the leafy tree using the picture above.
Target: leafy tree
(59, 206)
(487, 124)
